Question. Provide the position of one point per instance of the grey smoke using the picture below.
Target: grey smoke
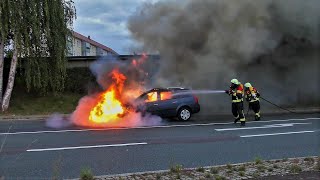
(58, 121)
(204, 43)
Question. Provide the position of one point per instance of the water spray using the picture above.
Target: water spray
(201, 92)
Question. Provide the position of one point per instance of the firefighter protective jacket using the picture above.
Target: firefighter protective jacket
(237, 94)
(252, 94)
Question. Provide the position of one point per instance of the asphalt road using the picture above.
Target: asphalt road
(29, 150)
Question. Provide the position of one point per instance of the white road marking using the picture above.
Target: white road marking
(262, 127)
(275, 134)
(147, 127)
(86, 147)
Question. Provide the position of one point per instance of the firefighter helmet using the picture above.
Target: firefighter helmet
(235, 81)
(247, 85)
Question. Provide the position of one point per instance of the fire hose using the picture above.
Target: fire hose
(277, 107)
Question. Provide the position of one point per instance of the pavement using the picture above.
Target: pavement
(30, 150)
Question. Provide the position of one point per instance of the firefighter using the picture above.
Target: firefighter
(252, 97)
(236, 93)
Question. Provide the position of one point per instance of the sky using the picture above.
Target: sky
(106, 21)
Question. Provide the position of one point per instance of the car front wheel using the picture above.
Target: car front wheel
(184, 114)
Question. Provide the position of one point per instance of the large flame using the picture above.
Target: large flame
(109, 107)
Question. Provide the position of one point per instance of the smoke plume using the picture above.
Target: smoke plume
(203, 44)
(135, 83)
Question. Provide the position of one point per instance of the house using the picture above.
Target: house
(79, 45)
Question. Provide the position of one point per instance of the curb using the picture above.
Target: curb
(168, 170)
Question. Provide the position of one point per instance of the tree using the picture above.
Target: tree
(35, 30)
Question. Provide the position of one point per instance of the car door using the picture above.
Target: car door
(166, 104)
(151, 100)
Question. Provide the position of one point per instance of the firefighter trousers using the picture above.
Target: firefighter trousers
(237, 111)
(255, 106)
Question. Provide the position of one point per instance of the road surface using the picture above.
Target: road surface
(29, 150)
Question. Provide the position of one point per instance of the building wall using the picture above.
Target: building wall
(77, 47)
(93, 50)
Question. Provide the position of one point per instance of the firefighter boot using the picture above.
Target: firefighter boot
(257, 116)
(243, 123)
(236, 120)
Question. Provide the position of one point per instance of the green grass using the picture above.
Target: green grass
(261, 168)
(176, 169)
(86, 174)
(309, 159)
(30, 104)
(200, 169)
(208, 175)
(285, 159)
(242, 168)
(214, 170)
(217, 177)
(295, 168)
(255, 175)
(158, 177)
(229, 166)
(241, 173)
(258, 160)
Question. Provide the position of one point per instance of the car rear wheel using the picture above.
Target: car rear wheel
(184, 114)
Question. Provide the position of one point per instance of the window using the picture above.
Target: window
(165, 95)
(150, 97)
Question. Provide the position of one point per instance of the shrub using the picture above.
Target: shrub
(241, 173)
(255, 175)
(176, 169)
(242, 168)
(258, 160)
(200, 169)
(309, 159)
(214, 170)
(208, 175)
(295, 168)
(86, 174)
(229, 166)
(217, 177)
(261, 168)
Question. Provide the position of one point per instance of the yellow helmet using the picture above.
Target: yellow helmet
(235, 81)
(247, 85)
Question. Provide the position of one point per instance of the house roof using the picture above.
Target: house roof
(86, 39)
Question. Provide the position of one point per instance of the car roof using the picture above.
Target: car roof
(168, 89)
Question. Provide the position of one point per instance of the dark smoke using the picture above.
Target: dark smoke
(205, 43)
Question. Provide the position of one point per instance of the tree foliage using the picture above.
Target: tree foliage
(39, 28)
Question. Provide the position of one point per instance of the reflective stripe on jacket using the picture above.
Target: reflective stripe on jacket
(252, 94)
(237, 94)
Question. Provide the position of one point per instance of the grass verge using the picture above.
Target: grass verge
(30, 104)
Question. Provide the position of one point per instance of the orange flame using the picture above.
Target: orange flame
(109, 107)
(165, 95)
(151, 97)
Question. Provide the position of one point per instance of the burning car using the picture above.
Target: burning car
(168, 102)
